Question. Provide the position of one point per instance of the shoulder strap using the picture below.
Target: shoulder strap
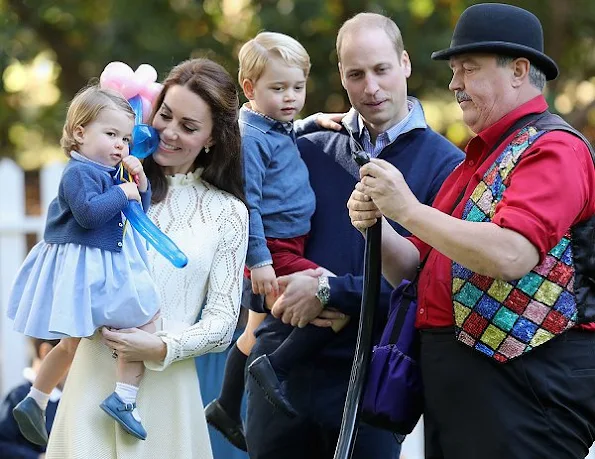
(551, 122)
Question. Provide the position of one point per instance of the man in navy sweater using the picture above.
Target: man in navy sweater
(387, 124)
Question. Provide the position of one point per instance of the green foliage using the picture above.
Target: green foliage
(83, 36)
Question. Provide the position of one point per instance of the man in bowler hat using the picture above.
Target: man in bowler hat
(506, 291)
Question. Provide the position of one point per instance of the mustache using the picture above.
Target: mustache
(462, 96)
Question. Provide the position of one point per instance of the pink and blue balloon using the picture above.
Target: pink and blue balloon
(140, 88)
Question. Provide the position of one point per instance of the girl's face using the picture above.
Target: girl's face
(185, 126)
(106, 139)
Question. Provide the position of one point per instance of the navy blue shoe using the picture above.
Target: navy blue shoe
(31, 421)
(122, 413)
(274, 391)
(224, 423)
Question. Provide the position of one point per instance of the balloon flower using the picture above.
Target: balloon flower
(141, 89)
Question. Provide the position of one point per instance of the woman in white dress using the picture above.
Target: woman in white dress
(196, 177)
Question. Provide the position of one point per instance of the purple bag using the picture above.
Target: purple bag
(393, 395)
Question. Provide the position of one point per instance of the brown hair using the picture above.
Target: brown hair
(367, 21)
(85, 108)
(223, 165)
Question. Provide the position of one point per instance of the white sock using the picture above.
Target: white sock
(41, 398)
(127, 393)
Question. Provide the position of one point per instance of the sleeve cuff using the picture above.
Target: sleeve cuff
(167, 326)
(306, 125)
(160, 366)
(527, 225)
(258, 256)
(261, 264)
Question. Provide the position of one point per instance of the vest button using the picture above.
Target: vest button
(119, 244)
(422, 310)
(471, 162)
(120, 225)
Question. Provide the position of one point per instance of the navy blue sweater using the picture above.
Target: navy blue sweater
(424, 157)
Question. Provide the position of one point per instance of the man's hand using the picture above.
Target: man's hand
(385, 184)
(328, 317)
(297, 305)
(264, 280)
(362, 211)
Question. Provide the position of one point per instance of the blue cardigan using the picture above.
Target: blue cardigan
(88, 208)
(424, 157)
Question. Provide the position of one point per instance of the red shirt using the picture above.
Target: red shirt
(551, 188)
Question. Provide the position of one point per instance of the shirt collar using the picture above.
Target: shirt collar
(492, 134)
(415, 119)
(78, 157)
(261, 121)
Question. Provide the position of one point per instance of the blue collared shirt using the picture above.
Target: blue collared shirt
(415, 119)
(280, 199)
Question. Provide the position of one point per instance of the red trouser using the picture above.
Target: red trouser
(288, 255)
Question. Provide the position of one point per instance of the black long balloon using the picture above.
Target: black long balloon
(363, 348)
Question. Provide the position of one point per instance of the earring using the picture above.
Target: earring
(207, 149)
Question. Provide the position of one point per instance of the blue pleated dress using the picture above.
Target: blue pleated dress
(70, 290)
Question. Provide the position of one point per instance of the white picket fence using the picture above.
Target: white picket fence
(14, 226)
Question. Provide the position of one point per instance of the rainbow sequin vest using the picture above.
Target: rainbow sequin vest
(504, 320)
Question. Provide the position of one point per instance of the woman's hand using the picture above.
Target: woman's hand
(134, 345)
(362, 210)
(385, 184)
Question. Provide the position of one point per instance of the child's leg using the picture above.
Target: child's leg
(52, 370)
(121, 404)
(246, 341)
(232, 389)
(30, 412)
(130, 374)
(223, 413)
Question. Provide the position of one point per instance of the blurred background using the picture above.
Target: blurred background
(49, 49)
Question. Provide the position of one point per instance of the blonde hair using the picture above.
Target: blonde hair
(371, 20)
(85, 108)
(255, 54)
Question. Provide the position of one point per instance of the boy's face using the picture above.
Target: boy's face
(279, 93)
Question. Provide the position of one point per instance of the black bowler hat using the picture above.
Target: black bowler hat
(500, 29)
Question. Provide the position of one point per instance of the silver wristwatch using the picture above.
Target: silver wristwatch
(324, 290)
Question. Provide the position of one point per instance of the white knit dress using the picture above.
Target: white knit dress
(211, 227)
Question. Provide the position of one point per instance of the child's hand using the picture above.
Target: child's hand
(264, 280)
(134, 166)
(131, 191)
(330, 120)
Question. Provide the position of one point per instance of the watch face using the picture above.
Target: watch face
(324, 291)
